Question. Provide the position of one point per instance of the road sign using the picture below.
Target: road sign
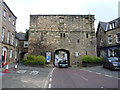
(48, 56)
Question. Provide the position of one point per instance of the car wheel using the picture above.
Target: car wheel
(111, 67)
(103, 66)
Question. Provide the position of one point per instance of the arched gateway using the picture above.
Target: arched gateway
(63, 54)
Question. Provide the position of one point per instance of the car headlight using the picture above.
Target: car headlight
(114, 64)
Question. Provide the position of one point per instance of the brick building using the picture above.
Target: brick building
(7, 32)
(70, 34)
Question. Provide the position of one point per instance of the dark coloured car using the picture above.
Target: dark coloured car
(112, 63)
(63, 63)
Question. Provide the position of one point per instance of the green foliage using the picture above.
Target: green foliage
(91, 59)
(34, 60)
(41, 60)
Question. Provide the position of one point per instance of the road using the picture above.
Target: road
(36, 77)
(80, 78)
(26, 77)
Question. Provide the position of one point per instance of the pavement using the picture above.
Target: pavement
(101, 70)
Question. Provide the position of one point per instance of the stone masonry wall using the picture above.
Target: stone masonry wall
(74, 33)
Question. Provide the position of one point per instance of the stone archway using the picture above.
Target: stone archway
(62, 53)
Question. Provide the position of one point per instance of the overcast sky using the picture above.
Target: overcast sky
(104, 10)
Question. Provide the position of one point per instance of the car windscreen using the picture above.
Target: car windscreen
(113, 59)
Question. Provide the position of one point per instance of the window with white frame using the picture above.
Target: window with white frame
(113, 25)
(25, 44)
(13, 22)
(110, 26)
(3, 34)
(117, 37)
(112, 52)
(8, 37)
(109, 39)
(11, 53)
(9, 18)
(4, 13)
(12, 39)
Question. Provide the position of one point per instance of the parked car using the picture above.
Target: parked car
(63, 63)
(112, 63)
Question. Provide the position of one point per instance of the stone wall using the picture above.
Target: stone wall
(74, 33)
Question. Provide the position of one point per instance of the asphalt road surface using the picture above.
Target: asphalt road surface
(79, 78)
(26, 77)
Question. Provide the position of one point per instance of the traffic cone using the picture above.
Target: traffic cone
(15, 67)
(6, 69)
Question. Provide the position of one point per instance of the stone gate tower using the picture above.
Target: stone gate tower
(74, 34)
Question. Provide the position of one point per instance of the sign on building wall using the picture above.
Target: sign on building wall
(48, 56)
(76, 54)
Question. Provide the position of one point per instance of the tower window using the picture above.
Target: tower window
(86, 35)
(61, 35)
(78, 40)
(64, 35)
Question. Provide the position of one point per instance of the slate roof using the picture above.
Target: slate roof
(103, 24)
(106, 25)
(20, 36)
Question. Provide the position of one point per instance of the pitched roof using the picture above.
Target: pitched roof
(21, 36)
(103, 24)
(106, 25)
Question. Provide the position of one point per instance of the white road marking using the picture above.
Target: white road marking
(49, 85)
(21, 71)
(47, 80)
(24, 81)
(51, 75)
(84, 78)
(50, 79)
(34, 73)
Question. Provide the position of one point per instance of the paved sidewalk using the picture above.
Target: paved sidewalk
(101, 70)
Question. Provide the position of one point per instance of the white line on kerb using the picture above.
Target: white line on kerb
(89, 71)
(49, 85)
(108, 75)
(98, 73)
